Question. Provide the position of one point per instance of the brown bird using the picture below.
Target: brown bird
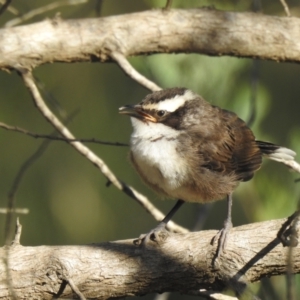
(187, 149)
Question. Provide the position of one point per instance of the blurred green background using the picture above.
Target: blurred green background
(67, 196)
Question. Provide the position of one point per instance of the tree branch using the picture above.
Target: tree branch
(204, 31)
(286, 8)
(41, 10)
(180, 262)
(133, 73)
(4, 6)
(58, 138)
(212, 295)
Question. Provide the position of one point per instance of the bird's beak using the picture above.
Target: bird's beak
(136, 112)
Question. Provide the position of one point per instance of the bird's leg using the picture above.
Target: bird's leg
(152, 235)
(222, 234)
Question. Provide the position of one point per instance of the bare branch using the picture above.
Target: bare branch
(41, 10)
(74, 287)
(16, 240)
(10, 8)
(119, 269)
(133, 73)
(98, 7)
(168, 4)
(210, 32)
(16, 183)
(91, 156)
(286, 8)
(57, 138)
(213, 295)
(10, 210)
(164, 296)
(4, 6)
(14, 210)
(288, 234)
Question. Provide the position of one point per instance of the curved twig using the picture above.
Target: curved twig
(41, 10)
(133, 73)
(58, 138)
(4, 6)
(90, 155)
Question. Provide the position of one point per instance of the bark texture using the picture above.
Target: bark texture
(175, 262)
(206, 31)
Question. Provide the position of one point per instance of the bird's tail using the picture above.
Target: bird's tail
(280, 154)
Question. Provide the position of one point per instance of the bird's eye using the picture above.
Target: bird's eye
(161, 113)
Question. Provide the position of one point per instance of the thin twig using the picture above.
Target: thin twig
(23, 211)
(164, 296)
(168, 4)
(15, 186)
(10, 210)
(10, 8)
(16, 240)
(4, 6)
(91, 156)
(213, 295)
(286, 8)
(288, 232)
(50, 99)
(42, 10)
(74, 288)
(57, 138)
(16, 183)
(256, 6)
(133, 73)
(98, 7)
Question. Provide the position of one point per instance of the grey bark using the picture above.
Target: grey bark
(205, 31)
(175, 262)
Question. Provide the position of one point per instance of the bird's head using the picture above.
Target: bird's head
(175, 107)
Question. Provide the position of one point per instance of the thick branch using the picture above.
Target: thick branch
(204, 31)
(181, 262)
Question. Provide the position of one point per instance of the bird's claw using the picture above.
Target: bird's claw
(157, 235)
(221, 236)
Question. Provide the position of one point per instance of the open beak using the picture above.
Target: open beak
(136, 112)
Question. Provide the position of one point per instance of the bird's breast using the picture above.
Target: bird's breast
(169, 165)
(158, 162)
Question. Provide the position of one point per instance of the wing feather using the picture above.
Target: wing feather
(230, 147)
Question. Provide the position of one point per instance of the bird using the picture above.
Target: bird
(185, 148)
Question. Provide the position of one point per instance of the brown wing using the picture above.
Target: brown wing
(230, 147)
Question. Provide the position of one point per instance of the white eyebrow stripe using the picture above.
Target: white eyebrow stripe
(172, 104)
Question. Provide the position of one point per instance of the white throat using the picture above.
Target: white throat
(150, 130)
(154, 149)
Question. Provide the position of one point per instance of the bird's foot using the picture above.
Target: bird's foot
(221, 236)
(157, 235)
